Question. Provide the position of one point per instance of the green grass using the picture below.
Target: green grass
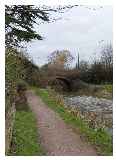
(99, 138)
(25, 135)
(108, 87)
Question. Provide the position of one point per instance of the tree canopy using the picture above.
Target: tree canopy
(60, 59)
(19, 21)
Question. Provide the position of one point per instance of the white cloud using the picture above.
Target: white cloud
(80, 28)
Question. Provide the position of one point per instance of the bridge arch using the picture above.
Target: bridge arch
(66, 81)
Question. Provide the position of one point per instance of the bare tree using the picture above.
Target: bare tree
(107, 61)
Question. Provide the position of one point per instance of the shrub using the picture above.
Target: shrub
(21, 86)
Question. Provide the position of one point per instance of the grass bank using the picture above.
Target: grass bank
(108, 88)
(100, 139)
(25, 134)
(103, 91)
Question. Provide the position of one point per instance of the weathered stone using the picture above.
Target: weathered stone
(96, 111)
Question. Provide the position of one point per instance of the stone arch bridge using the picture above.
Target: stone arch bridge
(62, 83)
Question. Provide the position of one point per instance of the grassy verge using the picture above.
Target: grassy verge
(104, 91)
(108, 88)
(99, 138)
(25, 135)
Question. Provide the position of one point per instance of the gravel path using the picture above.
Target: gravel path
(56, 137)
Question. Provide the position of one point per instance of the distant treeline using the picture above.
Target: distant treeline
(100, 71)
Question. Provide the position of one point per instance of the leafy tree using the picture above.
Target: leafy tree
(18, 68)
(60, 59)
(14, 72)
(19, 21)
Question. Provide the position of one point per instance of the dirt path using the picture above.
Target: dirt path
(56, 137)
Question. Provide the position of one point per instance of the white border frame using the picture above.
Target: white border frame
(2, 73)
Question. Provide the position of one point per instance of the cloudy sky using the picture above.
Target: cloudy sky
(80, 29)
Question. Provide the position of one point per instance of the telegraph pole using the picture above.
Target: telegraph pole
(78, 61)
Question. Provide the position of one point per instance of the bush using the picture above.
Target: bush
(21, 86)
